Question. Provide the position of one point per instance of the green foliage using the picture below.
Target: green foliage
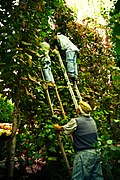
(108, 149)
(24, 27)
(114, 24)
(99, 84)
(6, 110)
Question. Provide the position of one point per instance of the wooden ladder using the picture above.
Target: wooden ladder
(63, 114)
(69, 84)
(60, 103)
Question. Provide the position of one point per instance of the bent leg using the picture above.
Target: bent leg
(71, 57)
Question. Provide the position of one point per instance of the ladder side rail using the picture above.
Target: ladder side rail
(47, 93)
(60, 142)
(77, 92)
(60, 102)
(68, 82)
(64, 155)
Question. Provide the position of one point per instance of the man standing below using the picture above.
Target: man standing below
(71, 54)
(86, 164)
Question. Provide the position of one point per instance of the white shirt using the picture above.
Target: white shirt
(65, 43)
(70, 126)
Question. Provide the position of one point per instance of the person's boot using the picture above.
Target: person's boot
(51, 84)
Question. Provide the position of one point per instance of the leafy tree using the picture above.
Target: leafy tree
(24, 27)
(115, 26)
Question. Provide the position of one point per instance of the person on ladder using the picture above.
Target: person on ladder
(87, 163)
(64, 43)
(46, 62)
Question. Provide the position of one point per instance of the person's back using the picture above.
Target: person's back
(65, 43)
(85, 135)
(71, 51)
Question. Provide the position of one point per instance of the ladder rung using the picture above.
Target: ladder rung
(57, 109)
(62, 87)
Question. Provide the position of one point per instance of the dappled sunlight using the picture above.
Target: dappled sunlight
(92, 9)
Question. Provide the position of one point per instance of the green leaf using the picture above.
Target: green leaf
(52, 159)
(116, 120)
(27, 44)
(109, 141)
(31, 136)
(115, 148)
(52, 149)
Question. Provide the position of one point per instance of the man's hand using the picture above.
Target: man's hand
(57, 127)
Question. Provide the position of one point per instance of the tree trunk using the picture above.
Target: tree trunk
(12, 149)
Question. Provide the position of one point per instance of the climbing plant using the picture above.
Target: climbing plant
(23, 28)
